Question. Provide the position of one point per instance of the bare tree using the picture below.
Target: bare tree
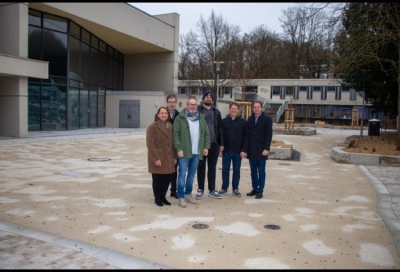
(308, 39)
(370, 34)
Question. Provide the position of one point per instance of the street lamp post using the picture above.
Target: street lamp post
(218, 70)
(362, 117)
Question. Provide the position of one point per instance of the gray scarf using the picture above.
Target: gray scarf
(192, 116)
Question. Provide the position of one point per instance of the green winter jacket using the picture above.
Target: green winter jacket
(181, 136)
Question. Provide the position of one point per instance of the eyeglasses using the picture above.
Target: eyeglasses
(191, 104)
(171, 102)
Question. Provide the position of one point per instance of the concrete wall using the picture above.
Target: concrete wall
(151, 72)
(148, 108)
(13, 89)
(14, 107)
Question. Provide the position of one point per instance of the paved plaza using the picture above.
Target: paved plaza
(83, 200)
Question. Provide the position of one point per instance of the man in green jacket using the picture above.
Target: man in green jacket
(191, 140)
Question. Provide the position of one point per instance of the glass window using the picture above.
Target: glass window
(289, 90)
(34, 107)
(35, 18)
(330, 112)
(75, 30)
(55, 52)
(83, 108)
(345, 89)
(303, 88)
(276, 90)
(73, 108)
(94, 66)
(353, 95)
(95, 42)
(55, 23)
(316, 112)
(338, 94)
(101, 108)
(345, 113)
(85, 36)
(35, 43)
(85, 62)
(93, 109)
(74, 49)
(331, 88)
(90, 60)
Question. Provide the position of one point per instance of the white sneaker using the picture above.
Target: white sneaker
(189, 199)
(199, 194)
(182, 203)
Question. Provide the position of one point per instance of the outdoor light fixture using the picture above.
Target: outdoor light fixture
(218, 70)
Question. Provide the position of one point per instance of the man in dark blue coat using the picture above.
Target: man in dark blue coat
(234, 130)
(259, 142)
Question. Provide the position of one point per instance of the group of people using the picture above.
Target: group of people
(181, 144)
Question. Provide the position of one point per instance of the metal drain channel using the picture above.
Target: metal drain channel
(99, 159)
(200, 226)
(272, 227)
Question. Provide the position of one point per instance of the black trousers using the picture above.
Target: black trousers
(160, 185)
(174, 180)
(211, 161)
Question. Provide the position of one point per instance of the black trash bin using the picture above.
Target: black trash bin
(374, 127)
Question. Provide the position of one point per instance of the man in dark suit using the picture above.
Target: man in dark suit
(259, 142)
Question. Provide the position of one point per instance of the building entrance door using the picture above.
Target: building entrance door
(129, 114)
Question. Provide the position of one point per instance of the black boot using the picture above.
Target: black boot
(159, 202)
(165, 201)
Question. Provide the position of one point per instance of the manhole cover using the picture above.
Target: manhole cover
(98, 159)
(273, 227)
(200, 226)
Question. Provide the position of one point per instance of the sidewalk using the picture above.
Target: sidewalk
(61, 211)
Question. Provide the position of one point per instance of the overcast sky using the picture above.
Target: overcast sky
(246, 15)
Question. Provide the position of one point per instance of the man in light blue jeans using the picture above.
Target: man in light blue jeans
(191, 140)
(189, 166)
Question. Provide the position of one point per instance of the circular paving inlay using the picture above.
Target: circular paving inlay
(272, 227)
(200, 226)
(98, 159)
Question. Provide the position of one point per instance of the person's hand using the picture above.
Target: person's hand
(265, 152)
(243, 154)
(175, 161)
(180, 154)
(205, 152)
(158, 163)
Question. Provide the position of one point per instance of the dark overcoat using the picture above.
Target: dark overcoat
(259, 136)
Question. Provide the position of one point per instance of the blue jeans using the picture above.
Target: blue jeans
(185, 182)
(236, 160)
(257, 168)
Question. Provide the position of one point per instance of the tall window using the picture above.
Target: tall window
(74, 98)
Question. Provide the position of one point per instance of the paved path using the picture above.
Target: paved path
(61, 211)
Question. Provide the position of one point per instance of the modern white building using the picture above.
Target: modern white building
(312, 99)
(66, 66)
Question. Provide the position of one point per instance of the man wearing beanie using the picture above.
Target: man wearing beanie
(214, 123)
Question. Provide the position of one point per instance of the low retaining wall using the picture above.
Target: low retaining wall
(340, 156)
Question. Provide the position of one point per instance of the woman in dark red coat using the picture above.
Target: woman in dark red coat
(161, 155)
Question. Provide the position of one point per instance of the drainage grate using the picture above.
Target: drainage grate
(98, 159)
(200, 226)
(272, 227)
(288, 164)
